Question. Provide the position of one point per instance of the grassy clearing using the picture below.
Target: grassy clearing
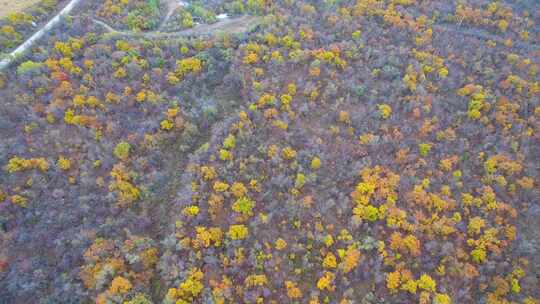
(9, 6)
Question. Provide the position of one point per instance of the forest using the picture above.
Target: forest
(270, 151)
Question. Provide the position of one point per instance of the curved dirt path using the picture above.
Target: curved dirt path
(230, 26)
(37, 35)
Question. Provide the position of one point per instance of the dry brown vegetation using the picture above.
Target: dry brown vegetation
(8, 7)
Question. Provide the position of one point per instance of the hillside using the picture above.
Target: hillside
(256, 151)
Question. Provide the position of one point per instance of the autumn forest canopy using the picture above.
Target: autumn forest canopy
(270, 151)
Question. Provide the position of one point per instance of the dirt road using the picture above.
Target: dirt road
(230, 26)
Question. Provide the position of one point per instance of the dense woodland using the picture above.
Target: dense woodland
(340, 151)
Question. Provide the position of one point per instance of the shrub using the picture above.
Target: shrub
(288, 153)
(205, 237)
(29, 67)
(143, 18)
(139, 299)
(225, 155)
(244, 205)
(120, 285)
(238, 232)
(187, 19)
(192, 287)
(256, 280)
(251, 58)
(121, 151)
(281, 244)
(368, 212)
(188, 65)
(190, 211)
(238, 190)
(206, 15)
(208, 173)
(502, 25)
(384, 111)
(326, 281)
(427, 283)
(19, 200)
(475, 225)
(64, 163)
(514, 283)
(478, 255)
(443, 73)
(330, 261)
(424, 149)
(229, 142)
(300, 181)
(410, 285)
(393, 280)
(293, 292)
(19, 18)
(127, 192)
(350, 260)
(16, 164)
(442, 298)
(220, 186)
(166, 125)
(315, 163)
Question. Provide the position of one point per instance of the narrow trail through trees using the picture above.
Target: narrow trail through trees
(172, 6)
(482, 35)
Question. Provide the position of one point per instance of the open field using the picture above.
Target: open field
(9, 6)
